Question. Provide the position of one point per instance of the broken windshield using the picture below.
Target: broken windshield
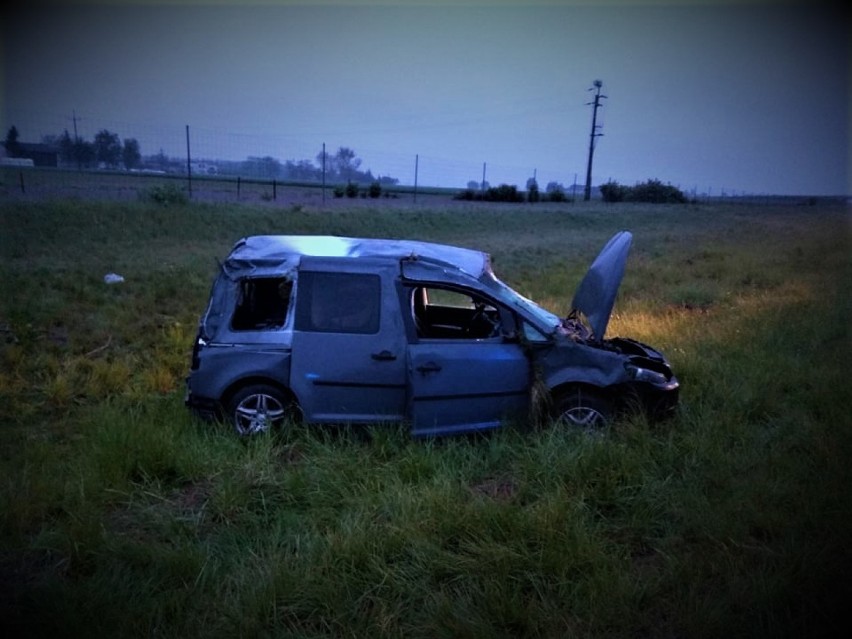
(510, 296)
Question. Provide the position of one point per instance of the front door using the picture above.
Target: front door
(348, 362)
(467, 370)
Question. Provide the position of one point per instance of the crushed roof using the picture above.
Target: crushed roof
(270, 248)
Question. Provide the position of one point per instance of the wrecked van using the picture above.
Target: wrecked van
(329, 329)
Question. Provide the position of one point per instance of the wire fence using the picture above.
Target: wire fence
(26, 183)
(18, 183)
(216, 165)
(183, 149)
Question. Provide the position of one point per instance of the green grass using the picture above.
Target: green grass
(121, 515)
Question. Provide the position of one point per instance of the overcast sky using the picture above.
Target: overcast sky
(746, 97)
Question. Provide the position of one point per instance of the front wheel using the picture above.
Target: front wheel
(257, 409)
(583, 409)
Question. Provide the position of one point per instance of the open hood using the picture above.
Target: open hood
(595, 296)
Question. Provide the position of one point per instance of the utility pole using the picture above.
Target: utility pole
(597, 84)
(74, 120)
(76, 139)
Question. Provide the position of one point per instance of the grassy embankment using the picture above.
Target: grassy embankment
(123, 516)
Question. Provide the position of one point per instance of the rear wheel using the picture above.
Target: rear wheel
(258, 408)
(583, 409)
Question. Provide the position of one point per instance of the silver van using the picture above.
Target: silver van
(330, 329)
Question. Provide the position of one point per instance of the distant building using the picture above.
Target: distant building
(40, 154)
(4, 161)
(204, 168)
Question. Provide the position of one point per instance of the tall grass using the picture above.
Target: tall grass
(121, 515)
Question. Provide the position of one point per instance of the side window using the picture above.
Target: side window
(338, 303)
(533, 335)
(450, 314)
(262, 303)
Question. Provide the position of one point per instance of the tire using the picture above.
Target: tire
(258, 408)
(584, 410)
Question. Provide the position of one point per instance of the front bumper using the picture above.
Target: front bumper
(658, 402)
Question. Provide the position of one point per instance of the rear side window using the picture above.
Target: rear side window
(262, 303)
(338, 303)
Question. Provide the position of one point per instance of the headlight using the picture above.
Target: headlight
(646, 375)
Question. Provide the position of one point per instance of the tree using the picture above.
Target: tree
(555, 192)
(346, 162)
(66, 147)
(266, 167)
(13, 147)
(657, 192)
(503, 193)
(343, 166)
(130, 154)
(533, 194)
(301, 170)
(84, 153)
(649, 191)
(612, 191)
(325, 162)
(107, 148)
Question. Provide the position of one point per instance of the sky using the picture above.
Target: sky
(714, 96)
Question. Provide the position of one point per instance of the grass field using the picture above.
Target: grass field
(122, 516)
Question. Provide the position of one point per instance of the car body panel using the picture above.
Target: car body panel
(342, 376)
(227, 366)
(458, 384)
(596, 294)
(572, 362)
(265, 251)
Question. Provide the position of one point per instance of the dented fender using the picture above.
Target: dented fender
(574, 363)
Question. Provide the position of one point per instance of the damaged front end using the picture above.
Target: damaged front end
(653, 382)
(624, 371)
(628, 375)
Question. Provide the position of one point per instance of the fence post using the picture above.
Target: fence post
(21, 174)
(188, 164)
(416, 167)
(238, 187)
(274, 190)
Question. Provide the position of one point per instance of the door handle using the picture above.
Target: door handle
(384, 356)
(429, 367)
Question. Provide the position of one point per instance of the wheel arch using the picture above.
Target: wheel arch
(564, 389)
